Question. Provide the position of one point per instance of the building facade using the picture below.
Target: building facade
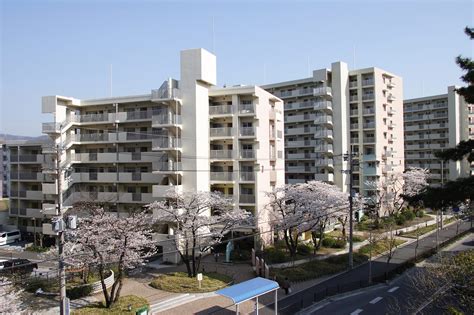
(435, 123)
(336, 111)
(3, 170)
(188, 135)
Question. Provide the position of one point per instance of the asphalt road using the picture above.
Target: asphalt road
(396, 298)
(348, 281)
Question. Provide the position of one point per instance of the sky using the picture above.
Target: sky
(69, 47)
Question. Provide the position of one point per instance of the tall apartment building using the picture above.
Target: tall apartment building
(435, 123)
(186, 136)
(3, 170)
(337, 110)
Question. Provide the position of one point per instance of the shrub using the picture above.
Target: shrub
(36, 249)
(339, 243)
(274, 255)
(79, 292)
(241, 255)
(408, 214)
(328, 242)
(304, 249)
(400, 219)
(34, 284)
(356, 238)
(420, 213)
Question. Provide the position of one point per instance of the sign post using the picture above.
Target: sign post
(199, 279)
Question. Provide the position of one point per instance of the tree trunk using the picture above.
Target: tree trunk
(104, 287)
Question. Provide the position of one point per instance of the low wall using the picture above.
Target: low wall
(97, 286)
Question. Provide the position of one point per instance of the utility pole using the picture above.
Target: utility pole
(62, 271)
(349, 157)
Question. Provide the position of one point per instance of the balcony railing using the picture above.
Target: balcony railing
(93, 137)
(247, 154)
(167, 143)
(92, 117)
(322, 91)
(222, 154)
(246, 198)
(323, 134)
(323, 105)
(220, 110)
(51, 127)
(369, 125)
(367, 82)
(247, 176)
(353, 98)
(247, 131)
(246, 108)
(367, 97)
(167, 119)
(369, 111)
(221, 132)
(222, 176)
(369, 139)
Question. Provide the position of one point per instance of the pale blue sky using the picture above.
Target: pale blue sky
(66, 47)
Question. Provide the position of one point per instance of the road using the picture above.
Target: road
(8, 252)
(396, 298)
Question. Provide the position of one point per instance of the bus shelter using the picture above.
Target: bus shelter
(249, 290)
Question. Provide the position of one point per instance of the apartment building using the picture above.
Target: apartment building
(3, 170)
(31, 171)
(338, 110)
(188, 135)
(435, 123)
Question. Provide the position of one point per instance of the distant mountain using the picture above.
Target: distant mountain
(9, 137)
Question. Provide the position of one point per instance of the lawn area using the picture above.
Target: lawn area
(179, 282)
(426, 229)
(121, 307)
(357, 237)
(379, 247)
(364, 225)
(317, 268)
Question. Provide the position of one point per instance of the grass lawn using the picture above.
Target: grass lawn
(379, 247)
(179, 282)
(426, 229)
(317, 268)
(121, 307)
(364, 226)
(358, 237)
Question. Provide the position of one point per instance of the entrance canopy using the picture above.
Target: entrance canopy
(250, 289)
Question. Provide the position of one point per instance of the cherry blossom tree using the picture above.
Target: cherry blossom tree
(391, 193)
(199, 221)
(300, 208)
(10, 298)
(104, 238)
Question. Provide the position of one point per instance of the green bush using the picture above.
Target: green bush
(241, 255)
(304, 249)
(420, 213)
(328, 242)
(275, 256)
(37, 249)
(408, 214)
(34, 284)
(79, 292)
(339, 243)
(400, 219)
(356, 238)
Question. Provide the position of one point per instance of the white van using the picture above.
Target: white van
(8, 237)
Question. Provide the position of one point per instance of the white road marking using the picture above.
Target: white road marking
(378, 298)
(357, 311)
(393, 289)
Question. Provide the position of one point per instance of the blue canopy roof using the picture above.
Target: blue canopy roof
(248, 289)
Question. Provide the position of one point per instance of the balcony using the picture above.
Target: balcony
(305, 91)
(167, 120)
(368, 97)
(222, 154)
(391, 98)
(354, 112)
(354, 126)
(162, 191)
(300, 143)
(299, 118)
(50, 209)
(302, 156)
(247, 131)
(368, 111)
(299, 105)
(167, 166)
(367, 82)
(391, 111)
(369, 157)
(353, 98)
(247, 154)
(51, 128)
(300, 130)
(246, 108)
(222, 176)
(323, 105)
(323, 120)
(323, 148)
(324, 177)
(324, 162)
(369, 125)
(352, 84)
(166, 144)
(372, 171)
(321, 91)
(323, 134)
(247, 199)
(24, 176)
(136, 197)
(48, 229)
(247, 176)
(91, 137)
(391, 84)
(26, 158)
(219, 110)
(222, 132)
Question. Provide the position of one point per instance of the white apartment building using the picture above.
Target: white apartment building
(337, 110)
(186, 136)
(435, 123)
(3, 170)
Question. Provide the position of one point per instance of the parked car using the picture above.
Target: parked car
(8, 237)
(17, 265)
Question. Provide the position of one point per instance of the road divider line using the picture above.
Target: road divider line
(393, 289)
(378, 298)
(357, 311)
